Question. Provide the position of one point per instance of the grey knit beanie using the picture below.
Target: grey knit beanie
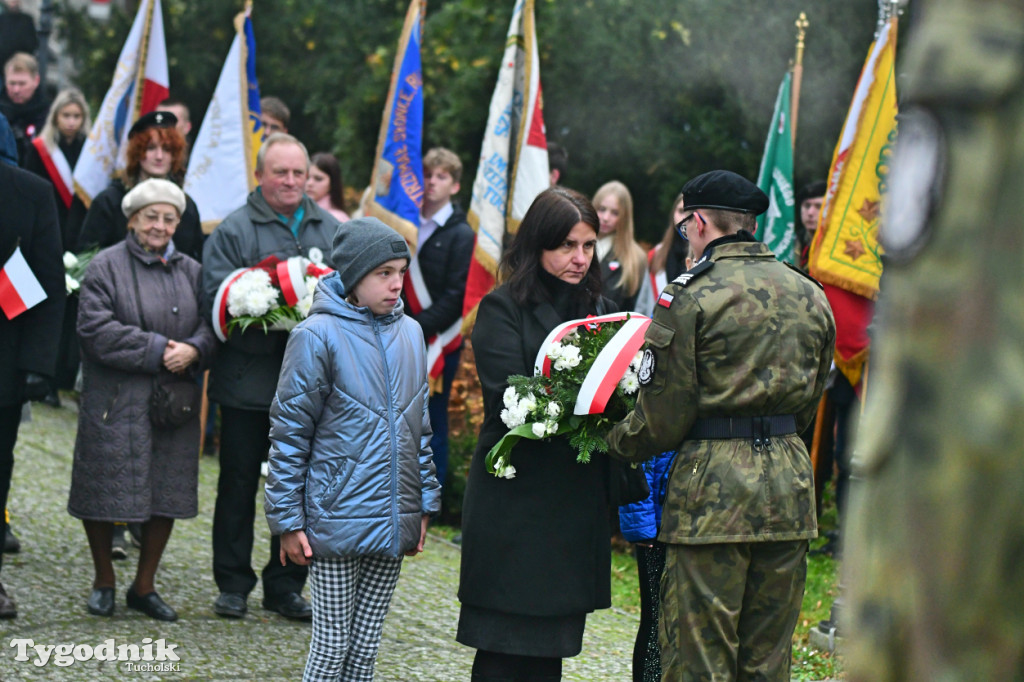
(361, 245)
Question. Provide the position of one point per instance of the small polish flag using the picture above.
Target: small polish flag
(19, 288)
(665, 300)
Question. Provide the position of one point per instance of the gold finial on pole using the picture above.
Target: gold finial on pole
(798, 71)
(801, 31)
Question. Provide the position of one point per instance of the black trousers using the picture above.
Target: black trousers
(10, 420)
(650, 564)
(244, 444)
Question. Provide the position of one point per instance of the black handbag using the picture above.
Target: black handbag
(175, 398)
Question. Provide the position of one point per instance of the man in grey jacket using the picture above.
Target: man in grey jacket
(277, 220)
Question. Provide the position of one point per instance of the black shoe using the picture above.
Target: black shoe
(150, 604)
(231, 605)
(290, 605)
(51, 399)
(8, 609)
(101, 601)
(12, 545)
(118, 546)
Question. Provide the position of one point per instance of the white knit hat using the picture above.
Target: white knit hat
(153, 191)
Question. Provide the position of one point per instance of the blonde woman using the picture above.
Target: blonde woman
(623, 263)
(52, 156)
(54, 153)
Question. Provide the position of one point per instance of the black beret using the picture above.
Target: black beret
(154, 119)
(725, 190)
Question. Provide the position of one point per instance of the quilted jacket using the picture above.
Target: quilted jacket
(350, 459)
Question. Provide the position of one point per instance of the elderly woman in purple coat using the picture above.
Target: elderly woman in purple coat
(139, 323)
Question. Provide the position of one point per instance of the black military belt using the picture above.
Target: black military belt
(760, 429)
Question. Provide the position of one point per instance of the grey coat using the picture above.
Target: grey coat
(350, 459)
(122, 470)
(245, 372)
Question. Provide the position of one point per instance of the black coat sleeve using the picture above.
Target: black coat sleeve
(41, 324)
(104, 223)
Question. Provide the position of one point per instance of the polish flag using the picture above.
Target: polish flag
(19, 288)
(140, 82)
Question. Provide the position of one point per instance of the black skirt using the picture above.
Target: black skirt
(513, 633)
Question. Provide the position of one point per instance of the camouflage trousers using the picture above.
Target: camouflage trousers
(728, 611)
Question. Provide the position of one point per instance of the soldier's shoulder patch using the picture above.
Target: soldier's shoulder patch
(647, 365)
(801, 272)
(693, 273)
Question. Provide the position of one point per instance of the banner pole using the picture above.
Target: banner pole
(798, 73)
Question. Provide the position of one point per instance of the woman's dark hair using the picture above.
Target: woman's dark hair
(329, 165)
(546, 225)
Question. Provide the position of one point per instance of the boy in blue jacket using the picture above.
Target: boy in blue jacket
(352, 481)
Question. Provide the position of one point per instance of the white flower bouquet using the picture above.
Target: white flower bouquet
(585, 380)
(74, 269)
(273, 294)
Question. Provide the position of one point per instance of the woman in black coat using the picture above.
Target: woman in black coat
(535, 549)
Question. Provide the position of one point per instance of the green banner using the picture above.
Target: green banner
(775, 226)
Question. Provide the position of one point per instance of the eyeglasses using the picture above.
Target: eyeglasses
(681, 225)
(157, 218)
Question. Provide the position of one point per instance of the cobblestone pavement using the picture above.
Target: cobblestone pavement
(51, 578)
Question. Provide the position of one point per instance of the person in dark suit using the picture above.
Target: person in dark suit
(29, 341)
(444, 251)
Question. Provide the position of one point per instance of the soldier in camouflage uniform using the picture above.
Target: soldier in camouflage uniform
(935, 553)
(737, 356)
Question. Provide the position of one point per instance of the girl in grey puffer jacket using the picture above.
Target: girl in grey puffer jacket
(351, 481)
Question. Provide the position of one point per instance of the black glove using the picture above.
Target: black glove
(36, 386)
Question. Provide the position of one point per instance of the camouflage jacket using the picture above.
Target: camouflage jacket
(738, 335)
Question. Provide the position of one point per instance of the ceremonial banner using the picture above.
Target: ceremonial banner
(845, 254)
(513, 166)
(222, 165)
(845, 250)
(139, 84)
(396, 188)
(775, 227)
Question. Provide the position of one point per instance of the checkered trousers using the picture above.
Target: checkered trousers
(351, 596)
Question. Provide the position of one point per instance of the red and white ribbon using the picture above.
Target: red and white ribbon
(441, 344)
(57, 168)
(220, 303)
(609, 366)
(292, 275)
(542, 365)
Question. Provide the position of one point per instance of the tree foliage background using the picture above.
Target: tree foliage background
(645, 91)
